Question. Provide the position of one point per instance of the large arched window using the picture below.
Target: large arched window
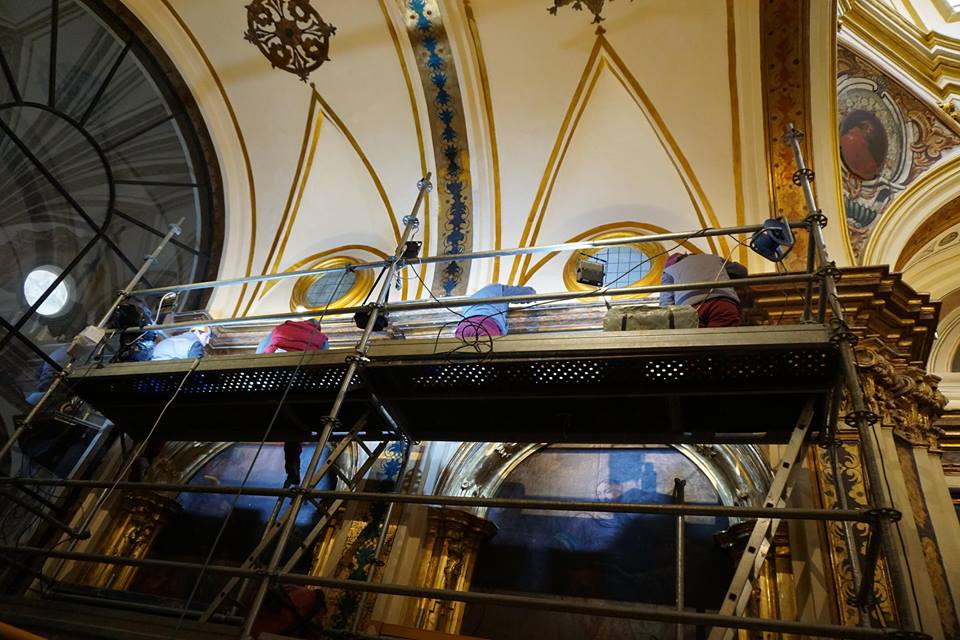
(101, 148)
(195, 531)
(591, 557)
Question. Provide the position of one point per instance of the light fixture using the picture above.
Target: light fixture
(590, 270)
(775, 240)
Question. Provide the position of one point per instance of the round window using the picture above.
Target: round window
(38, 282)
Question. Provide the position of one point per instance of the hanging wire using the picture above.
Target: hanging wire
(249, 471)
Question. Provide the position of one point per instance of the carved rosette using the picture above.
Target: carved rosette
(450, 549)
(290, 34)
(132, 531)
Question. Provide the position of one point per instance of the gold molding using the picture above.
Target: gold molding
(391, 28)
(610, 230)
(603, 56)
(301, 265)
(735, 123)
(353, 296)
(928, 58)
(656, 257)
(342, 128)
(491, 130)
(292, 207)
(243, 144)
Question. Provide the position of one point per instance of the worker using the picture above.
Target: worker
(489, 319)
(292, 611)
(294, 335)
(716, 307)
(189, 344)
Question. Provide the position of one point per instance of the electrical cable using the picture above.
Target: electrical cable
(249, 471)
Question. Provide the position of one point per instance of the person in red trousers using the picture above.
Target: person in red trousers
(716, 307)
(294, 335)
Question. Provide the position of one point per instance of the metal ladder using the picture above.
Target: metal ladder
(760, 540)
(276, 524)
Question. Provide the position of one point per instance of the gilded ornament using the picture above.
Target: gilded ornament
(290, 33)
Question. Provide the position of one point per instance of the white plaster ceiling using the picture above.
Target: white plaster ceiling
(566, 128)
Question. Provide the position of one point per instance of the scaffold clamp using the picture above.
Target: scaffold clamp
(840, 332)
(792, 134)
(358, 358)
(800, 174)
(884, 513)
(829, 269)
(854, 418)
(817, 217)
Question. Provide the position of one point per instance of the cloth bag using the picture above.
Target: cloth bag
(640, 317)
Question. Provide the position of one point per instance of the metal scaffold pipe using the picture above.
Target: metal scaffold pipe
(411, 224)
(629, 611)
(860, 416)
(58, 379)
(475, 255)
(464, 301)
(686, 509)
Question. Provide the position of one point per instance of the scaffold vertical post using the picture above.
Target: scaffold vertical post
(58, 379)
(411, 224)
(859, 416)
(679, 498)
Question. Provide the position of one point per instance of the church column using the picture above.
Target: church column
(918, 442)
(906, 401)
(449, 554)
(136, 520)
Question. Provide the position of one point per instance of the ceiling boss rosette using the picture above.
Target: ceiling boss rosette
(290, 33)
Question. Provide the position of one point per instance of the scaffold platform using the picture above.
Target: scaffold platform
(638, 387)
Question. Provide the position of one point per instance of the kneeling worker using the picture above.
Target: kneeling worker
(716, 307)
(490, 319)
(294, 335)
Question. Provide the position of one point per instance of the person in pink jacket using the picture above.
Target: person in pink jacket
(294, 335)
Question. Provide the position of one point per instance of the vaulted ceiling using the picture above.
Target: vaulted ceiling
(538, 128)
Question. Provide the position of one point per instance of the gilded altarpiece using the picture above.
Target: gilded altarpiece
(907, 402)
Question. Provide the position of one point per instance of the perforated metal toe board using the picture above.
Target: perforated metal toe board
(744, 384)
(229, 398)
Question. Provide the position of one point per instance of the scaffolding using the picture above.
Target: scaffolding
(378, 393)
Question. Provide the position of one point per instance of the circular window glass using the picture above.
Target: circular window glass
(623, 265)
(328, 288)
(36, 284)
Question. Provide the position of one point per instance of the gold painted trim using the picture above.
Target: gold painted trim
(342, 128)
(948, 12)
(610, 230)
(841, 216)
(302, 264)
(735, 124)
(243, 144)
(297, 186)
(355, 295)
(416, 123)
(653, 250)
(491, 130)
(581, 98)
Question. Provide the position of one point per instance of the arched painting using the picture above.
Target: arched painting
(863, 144)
